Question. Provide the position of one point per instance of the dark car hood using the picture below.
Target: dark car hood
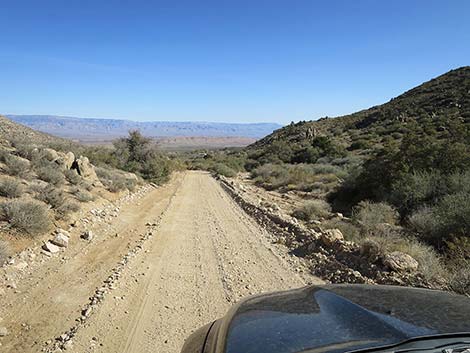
(338, 318)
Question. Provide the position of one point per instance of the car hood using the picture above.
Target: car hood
(338, 318)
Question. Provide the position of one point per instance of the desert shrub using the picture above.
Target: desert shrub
(83, 195)
(67, 207)
(29, 216)
(449, 218)
(5, 252)
(335, 170)
(72, 176)
(137, 154)
(458, 262)
(312, 209)
(350, 231)
(222, 169)
(11, 188)
(58, 201)
(370, 215)
(85, 185)
(360, 145)
(430, 264)
(453, 214)
(303, 177)
(114, 180)
(25, 150)
(423, 222)
(51, 174)
(270, 174)
(51, 195)
(16, 166)
(416, 189)
(459, 279)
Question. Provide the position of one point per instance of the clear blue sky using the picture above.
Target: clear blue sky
(238, 60)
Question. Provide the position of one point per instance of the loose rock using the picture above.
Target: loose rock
(400, 262)
(48, 246)
(3, 331)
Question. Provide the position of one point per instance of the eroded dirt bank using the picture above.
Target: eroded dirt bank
(201, 253)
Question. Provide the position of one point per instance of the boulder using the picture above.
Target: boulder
(370, 250)
(331, 236)
(400, 262)
(62, 231)
(3, 331)
(50, 154)
(86, 170)
(49, 247)
(60, 239)
(65, 160)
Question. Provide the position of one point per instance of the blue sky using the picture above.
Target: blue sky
(240, 61)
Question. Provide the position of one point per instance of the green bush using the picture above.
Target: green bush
(419, 188)
(11, 188)
(449, 218)
(138, 154)
(29, 216)
(222, 169)
(313, 209)
(371, 215)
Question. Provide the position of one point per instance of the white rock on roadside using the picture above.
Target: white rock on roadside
(3, 331)
(61, 240)
(48, 246)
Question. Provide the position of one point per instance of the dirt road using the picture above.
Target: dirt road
(204, 254)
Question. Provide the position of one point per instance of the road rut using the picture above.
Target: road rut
(205, 254)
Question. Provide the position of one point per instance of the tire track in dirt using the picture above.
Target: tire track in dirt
(206, 254)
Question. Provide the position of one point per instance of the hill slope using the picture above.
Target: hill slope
(437, 103)
(10, 130)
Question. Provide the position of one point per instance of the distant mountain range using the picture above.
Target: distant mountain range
(96, 130)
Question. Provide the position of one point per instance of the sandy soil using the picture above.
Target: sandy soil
(204, 254)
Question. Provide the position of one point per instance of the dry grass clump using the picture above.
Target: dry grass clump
(83, 195)
(313, 209)
(115, 181)
(350, 231)
(51, 174)
(72, 176)
(58, 200)
(29, 216)
(371, 215)
(16, 166)
(388, 241)
(11, 188)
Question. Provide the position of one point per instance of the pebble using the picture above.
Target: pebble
(3, 331)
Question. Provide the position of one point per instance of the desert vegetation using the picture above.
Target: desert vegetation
(46, 180)
(399, 173)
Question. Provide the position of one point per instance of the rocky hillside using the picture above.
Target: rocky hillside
(392, 178)
(42, 187)
(10, 130)
(437, 103)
